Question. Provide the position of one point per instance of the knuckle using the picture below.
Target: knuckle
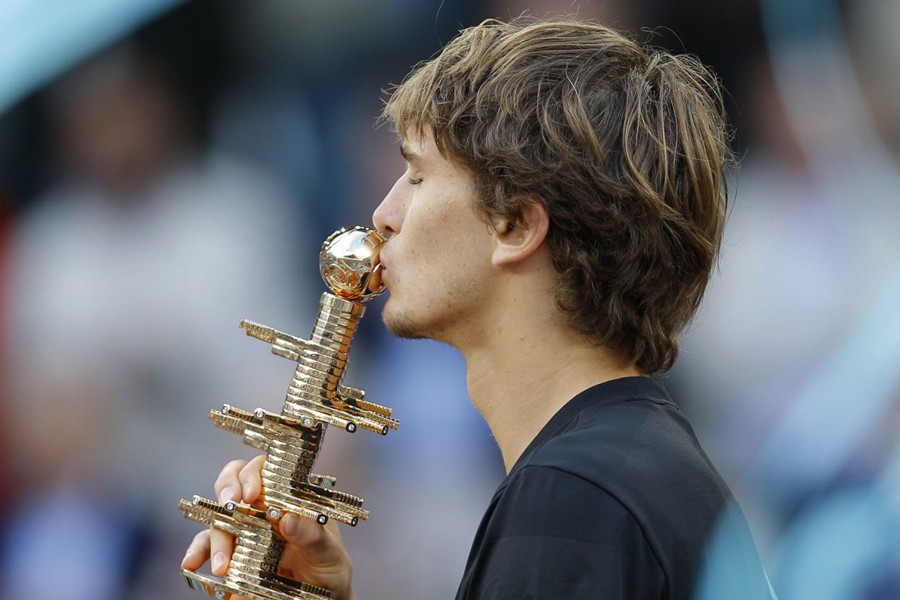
(201, 538)
(250, 472)
(228, 474)
(234, 466)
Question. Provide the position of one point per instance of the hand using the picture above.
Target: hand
(314, 553)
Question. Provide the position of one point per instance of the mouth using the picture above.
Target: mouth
(382, 272)
(381, 269)
(376, 281)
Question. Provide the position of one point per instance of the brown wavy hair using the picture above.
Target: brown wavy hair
(625, 146)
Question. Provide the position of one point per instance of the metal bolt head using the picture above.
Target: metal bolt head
(274, 513)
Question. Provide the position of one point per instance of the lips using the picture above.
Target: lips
(382, 268)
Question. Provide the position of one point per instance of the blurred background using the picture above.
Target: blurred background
(168, 168)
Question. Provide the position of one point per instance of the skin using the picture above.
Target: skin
(314, 553)
(486, 288)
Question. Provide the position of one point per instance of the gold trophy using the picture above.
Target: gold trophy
(291, 440)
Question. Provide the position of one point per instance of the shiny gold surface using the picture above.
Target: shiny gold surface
(349, 263)
(315, 399)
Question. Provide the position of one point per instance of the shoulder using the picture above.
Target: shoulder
(552, 534)
(641, 461)
(642, 452)
(615, 498)
(552, 502)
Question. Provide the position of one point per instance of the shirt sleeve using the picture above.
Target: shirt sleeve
(555, 535)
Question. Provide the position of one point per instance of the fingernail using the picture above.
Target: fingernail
(218, 561)
(186, 554)
(227, 494)
(291, 525)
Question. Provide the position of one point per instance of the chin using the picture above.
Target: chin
(403, 326)
(402, 323)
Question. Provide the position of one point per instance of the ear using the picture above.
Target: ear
(515, 242)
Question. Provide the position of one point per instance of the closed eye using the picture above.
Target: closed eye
(411, 177)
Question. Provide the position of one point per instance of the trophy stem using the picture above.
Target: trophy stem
(336, 322)
(317, 380)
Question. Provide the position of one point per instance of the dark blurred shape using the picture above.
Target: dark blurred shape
(117, 123)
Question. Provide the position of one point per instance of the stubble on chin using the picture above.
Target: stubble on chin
(403, 326)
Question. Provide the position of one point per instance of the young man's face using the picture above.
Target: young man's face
(437, 263)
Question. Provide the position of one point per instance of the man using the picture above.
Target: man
(557, 223)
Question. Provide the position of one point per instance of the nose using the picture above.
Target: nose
(388, 216)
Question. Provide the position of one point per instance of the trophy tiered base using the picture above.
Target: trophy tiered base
(291, 440)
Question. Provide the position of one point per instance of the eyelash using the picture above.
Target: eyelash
(415, 181)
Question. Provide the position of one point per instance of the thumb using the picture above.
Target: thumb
(316, 554)
(321, 545)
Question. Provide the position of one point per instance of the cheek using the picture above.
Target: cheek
(425, 233)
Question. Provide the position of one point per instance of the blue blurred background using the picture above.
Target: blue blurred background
(168, 168)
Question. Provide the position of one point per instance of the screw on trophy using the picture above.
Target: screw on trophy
(291, 440)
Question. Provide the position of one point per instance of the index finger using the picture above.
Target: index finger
(250, 478)
(228, 486)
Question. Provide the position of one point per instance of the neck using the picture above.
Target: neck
(525, 374)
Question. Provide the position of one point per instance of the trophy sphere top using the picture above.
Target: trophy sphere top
(349, 263)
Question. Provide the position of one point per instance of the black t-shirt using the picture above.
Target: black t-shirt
(614, 499)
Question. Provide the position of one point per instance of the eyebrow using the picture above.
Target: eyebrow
(407, 153)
